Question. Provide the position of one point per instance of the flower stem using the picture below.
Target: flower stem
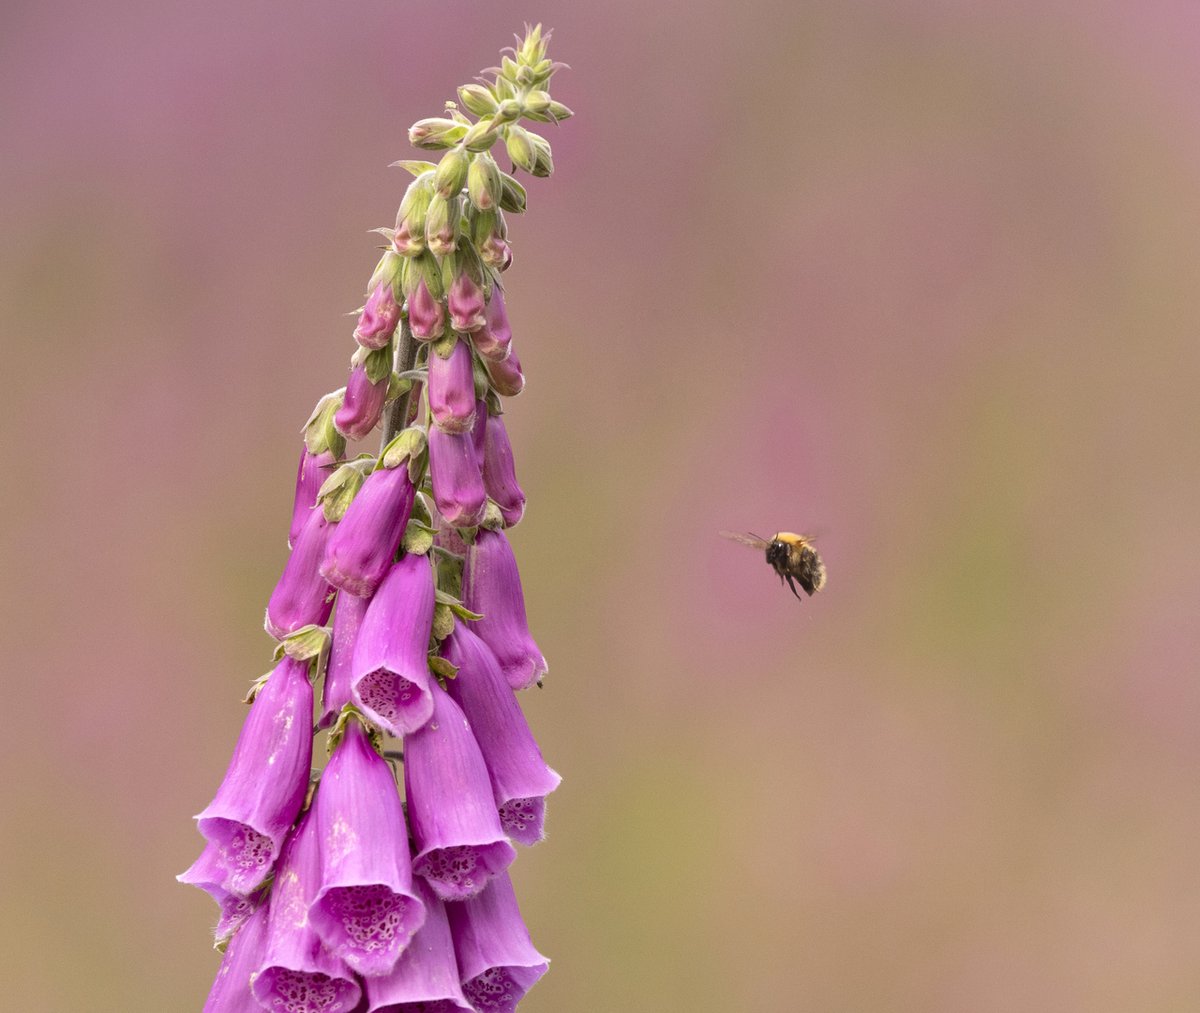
(397, 412)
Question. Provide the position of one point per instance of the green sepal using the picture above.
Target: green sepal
(478, 98)
(457, 607)
(509, 110)
(320, 434)
(256, 687)
(387, 270)
(378, 363)
(443, 347)
(415, 166)
(418, 538)
(337, 492)
(482, 382)
(493, 519)
(543, 163)
(482, 135)
(513, 196)
(420, 511)
(408, 443)
(398, 386)
(347, 714)
(425, 267)
(443, 622)
(309, 643)
(451, 174)
(493, 403)
(442, 668)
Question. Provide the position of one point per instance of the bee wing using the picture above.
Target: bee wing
(752, 540)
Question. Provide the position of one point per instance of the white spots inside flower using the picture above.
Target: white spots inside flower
(455, 871)
(493, 990)
(298, 992)
(249, 850)
(523, 818)
(387, 694)
(234, 911)
(372, 918)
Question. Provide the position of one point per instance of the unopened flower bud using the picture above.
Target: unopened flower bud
(537, 101)
(483, 183)
(489, 232)
(363, 406)
(478, 99)
(441, 225)
(347, 618)
(360, 550)
(426, 315)
(465, 302)
(451, 175)
(558, 111)
(314, 469)
(377, 321)
(519, 147)
(457, 480)
(499, 472)
(492, 587)
(435, 132)
(506, 375)
(320, 434)
(409, 238)
(452, 389)
(543, 164)
(494, 340)
(512, 196)
(481, 136)
(301, 597)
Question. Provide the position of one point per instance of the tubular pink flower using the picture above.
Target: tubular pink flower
(426, 315)
(506, 375)
(313, 470)
(264, 786)
(494, 340)
(208, 873)
(520, 778)
(363, 543)
(378, 319)
(460, 843)
(347, 618)
(390, 669)
(496, 958)
(231, 989)
(302, 596)
(452, 389)
(297, 974)
(425, 978)
(366, 910)
(492, 586)
(362, 406)
(457, 481)
(466, 304)
(499, 472)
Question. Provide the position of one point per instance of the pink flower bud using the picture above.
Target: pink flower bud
(506, 376)
(313, 470)
(466, 304)
(360, 550)
(452, 389)
(302, 596)
(493, 340)
(457, 482)
(347, 618)
(378, 318)
(426, 315)
(499, 474)
(363, 404)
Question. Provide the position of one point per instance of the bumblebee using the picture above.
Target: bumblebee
(791, 556)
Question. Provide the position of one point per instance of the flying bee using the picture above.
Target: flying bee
(791, 556)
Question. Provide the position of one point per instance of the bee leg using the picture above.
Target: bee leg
(792, 584)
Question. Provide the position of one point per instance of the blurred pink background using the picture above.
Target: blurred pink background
(919, 277)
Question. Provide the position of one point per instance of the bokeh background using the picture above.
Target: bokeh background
(919, 277)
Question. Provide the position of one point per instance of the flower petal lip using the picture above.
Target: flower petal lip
(208, 873)
(499, 472)
(426, 315)
(362, 407)
(366, 910)
(466, 304)
(494, 340)
(451, 809)
(492, 586)
(389, 678)
(267, 778)
(452, 390)
(496, 958)
(302, 596)
(360, 549)
(347, 618)
(521, 780)
(456, 476)
(231, 991)
(297, 973)
(427, 971)
(505, 374)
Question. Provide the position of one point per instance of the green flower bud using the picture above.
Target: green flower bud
(520, 147)
(410, 219)
(483, 182)
(478, 99)
(442, 225)
(537, 102)
(451, 175)
(543, 165)
(481, 135)
(558, 111)
(512, 198)
(435, 132)
(509, 112)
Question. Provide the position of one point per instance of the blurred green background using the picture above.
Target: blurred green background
(920, 277)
